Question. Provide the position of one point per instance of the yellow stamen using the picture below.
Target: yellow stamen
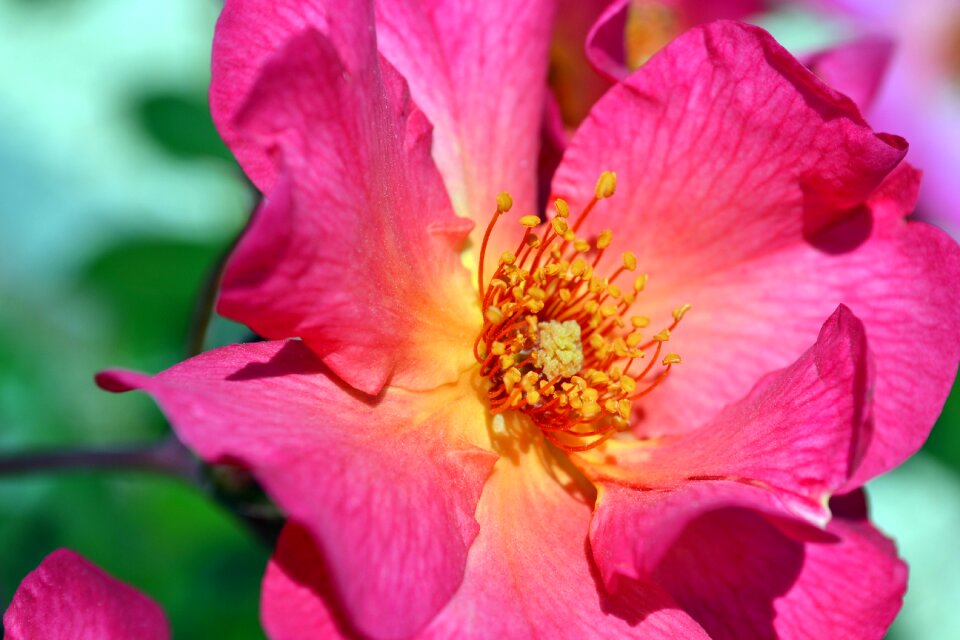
(604, 239)
(558, 340)
(606, 185)
(530, 221)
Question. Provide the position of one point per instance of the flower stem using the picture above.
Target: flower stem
(207, 296)
(230, 487)
(205, 303)
(169, 457)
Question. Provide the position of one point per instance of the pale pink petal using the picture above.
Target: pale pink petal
(855, 68)
(69, 598)
(783, 449)
(478, 71)
(748, 189)
(356, 248)
(741, 577)
(529, 575)
(387, 486)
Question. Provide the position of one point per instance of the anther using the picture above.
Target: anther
(504, 202)
(603, 241)
(494, 315)
(530, 221)
(606, 185)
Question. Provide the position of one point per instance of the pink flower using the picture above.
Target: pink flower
(595, 43)
(921, 93)
(620, 35)
(481, 451)
(624, 34)
(68, 597)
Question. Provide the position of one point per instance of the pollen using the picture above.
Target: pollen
(560, 341)
(559, 352)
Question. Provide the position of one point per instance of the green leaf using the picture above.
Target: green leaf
(180, 124)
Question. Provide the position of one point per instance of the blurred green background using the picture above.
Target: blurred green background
(117, 199)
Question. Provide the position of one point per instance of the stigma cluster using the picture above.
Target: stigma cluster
(559, 340)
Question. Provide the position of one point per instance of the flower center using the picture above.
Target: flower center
(559, 350)
(558, 341)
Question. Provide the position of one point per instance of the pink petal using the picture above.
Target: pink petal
(783, 449)
(247, 34)
(68, 597)
(605, 41)
(698, 12)
(723, 136)
(741, 577)
(296, 592)
(633, 529)
(356, 248)
(901, 282)
(387, 487)
(478, 72)
(854, 68)
(749, 189)
(487, 121)
(528, 574)
(848, 590)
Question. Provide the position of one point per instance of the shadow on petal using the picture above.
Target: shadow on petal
(727, 569)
